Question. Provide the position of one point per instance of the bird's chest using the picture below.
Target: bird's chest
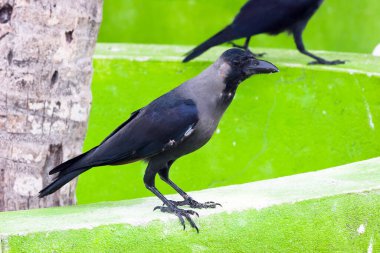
(210, 117)
(210, 109)
(205, 129)
(198, 138)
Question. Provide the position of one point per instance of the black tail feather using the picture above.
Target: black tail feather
(226, 35)
(64, 166)
(60, 181)
(67, 171)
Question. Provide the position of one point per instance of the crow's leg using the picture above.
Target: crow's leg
(169, 207)
(246, 47)
(297, 33)
(164, 175)
(246, 44)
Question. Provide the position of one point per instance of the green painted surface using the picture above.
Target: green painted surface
(346, 223)
(339, 25)
(304, 118)
(360, 177)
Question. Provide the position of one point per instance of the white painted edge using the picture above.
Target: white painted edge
(179, 59)
(352, 178)
(140, 56)
(376, 51)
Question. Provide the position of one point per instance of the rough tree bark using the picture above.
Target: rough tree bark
(46, 49)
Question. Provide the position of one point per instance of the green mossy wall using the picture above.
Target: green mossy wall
(304, 118)
(339, 25)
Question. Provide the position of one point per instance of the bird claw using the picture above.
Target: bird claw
(236, 45)
(259, 55)
(181, 214)
(247, 49)
(194, 204)
(325, 62)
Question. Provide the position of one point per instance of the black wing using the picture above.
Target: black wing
(155, 128)
(161, 125)
(133, 115)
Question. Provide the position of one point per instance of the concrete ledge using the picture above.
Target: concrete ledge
(333, 209)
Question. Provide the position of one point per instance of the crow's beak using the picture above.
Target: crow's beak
(262, 67)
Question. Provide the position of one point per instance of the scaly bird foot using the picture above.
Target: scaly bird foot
(259, 55)
(181, 214)
(194, 204)
(325, 62)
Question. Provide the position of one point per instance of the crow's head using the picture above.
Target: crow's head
(236, 65)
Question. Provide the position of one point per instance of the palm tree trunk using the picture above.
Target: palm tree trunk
(46, 50)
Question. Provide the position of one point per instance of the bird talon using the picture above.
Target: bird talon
(259, 55)
(192, 212)
(324, 62)
(181, 214)
(194, 204)
(235, 45)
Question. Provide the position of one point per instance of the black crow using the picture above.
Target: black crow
(175, 124)
(267, 16)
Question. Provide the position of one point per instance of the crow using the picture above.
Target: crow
(267, 16)
(175, 124)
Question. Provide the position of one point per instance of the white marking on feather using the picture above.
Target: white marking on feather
(189, 131)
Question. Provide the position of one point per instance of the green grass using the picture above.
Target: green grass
(304, 118)
(339, 25)
(323, 225)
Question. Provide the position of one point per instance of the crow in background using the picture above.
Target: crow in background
(267, 16)
(175, 124)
